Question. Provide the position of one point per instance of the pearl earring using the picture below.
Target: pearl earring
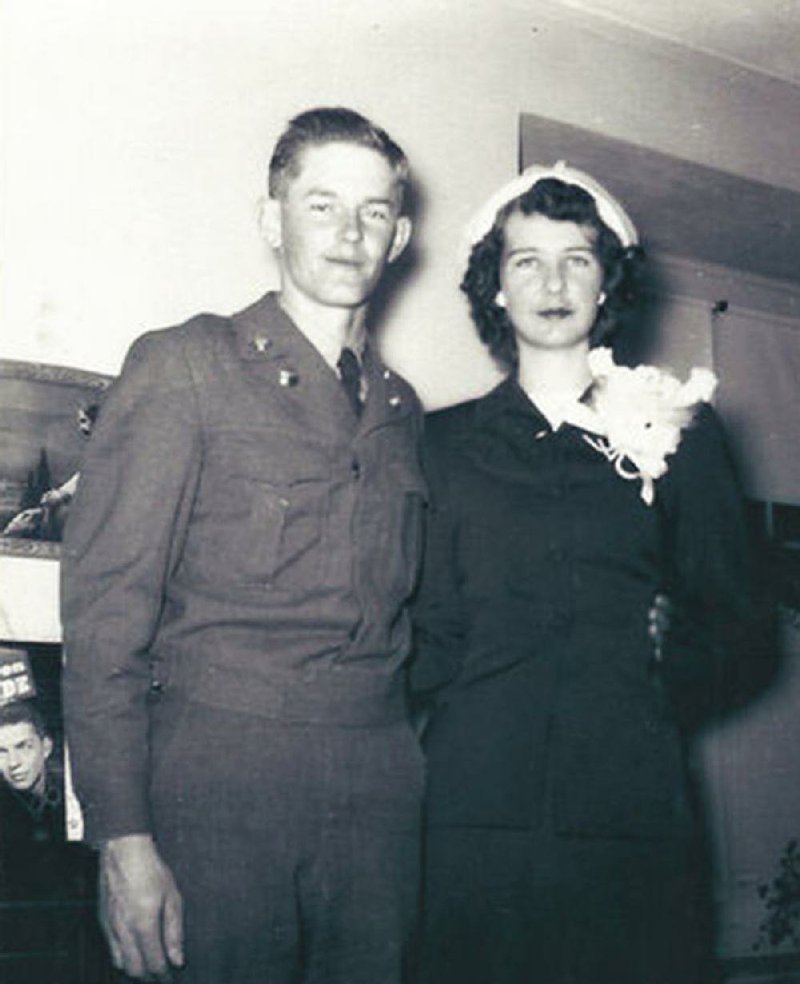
(601, 298)
(500, 299)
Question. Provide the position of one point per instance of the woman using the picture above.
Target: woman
(561, 841)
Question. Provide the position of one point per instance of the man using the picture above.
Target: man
(243, 539)
(31, 809)
(25, 747)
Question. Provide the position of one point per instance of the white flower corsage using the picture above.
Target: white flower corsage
(640, 414)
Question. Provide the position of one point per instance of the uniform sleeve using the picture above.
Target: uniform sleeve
(122, 539)
(437, 609)
(712, 645)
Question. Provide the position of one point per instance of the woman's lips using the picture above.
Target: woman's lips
(555, 312)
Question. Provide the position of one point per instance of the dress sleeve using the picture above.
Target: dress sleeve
(712, 640)
(122, 539)
(437, 608)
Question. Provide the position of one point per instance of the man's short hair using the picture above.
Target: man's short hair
(23, 712)
(331, 125)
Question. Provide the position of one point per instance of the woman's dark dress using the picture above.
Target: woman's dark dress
(560, 834)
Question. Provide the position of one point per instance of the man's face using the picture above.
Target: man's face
(23, 756)
(337, 225)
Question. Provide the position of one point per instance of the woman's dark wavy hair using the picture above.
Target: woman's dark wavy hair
(559, 200)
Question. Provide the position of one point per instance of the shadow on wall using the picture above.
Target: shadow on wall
(400, 273)
(638, 339)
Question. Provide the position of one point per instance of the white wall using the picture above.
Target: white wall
(137, 133)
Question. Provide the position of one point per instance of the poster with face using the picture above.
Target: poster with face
(31, 748)
(48, 927)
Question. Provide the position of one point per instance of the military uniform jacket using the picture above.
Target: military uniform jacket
(532, 621)
(239, 538)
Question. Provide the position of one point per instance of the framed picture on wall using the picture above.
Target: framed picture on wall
(46, 416)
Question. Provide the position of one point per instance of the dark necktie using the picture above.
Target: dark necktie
(350, 375)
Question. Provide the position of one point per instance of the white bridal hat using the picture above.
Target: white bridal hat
(608, 208)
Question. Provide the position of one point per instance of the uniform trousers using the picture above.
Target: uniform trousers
(506, 906)
(295, 847)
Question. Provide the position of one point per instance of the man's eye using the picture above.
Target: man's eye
(577, 260)
(320, 206)
(377, 213)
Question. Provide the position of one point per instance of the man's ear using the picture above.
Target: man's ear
(402, 234)
(47, 745)
(269, 221)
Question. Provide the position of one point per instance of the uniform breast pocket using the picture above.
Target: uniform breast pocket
(260, 515)
(412, 523)
(398, 553)
(292, 516)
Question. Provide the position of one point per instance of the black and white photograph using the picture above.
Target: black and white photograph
(400, 492)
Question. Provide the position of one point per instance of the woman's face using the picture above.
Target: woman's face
(550, 279)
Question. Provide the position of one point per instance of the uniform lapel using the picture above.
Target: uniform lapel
(387, 399)
(277, 355)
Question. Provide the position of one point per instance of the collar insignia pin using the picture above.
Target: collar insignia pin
(288, 377)
(261, 343)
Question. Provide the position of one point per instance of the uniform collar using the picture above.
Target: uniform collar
(265, 333)
(266, 336)
(509, 400)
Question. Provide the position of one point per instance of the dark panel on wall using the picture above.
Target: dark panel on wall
(681, 207)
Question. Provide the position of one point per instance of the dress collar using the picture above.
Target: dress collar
(509, 399)
(268, 339)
